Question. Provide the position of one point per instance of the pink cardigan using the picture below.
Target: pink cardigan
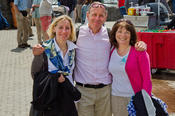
(138, 69)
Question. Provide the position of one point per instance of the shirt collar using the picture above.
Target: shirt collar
(70, 45)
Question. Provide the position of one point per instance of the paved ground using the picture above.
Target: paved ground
(16, 82)
(164, 88)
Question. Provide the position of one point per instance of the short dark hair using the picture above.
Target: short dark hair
(129, 27)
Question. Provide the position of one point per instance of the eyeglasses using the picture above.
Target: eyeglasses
(124, 20)
(97, 5)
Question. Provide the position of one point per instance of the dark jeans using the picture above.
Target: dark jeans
(122, 11)
(173, 4)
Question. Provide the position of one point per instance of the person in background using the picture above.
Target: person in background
(73, 14)
(11, 2)
(91, 72)
(130, 68)
(29, 17)
(71, 4)
(96, 0)
(60, 53)
(45, 11)
(3, 21)
(36, 17)
(78, 10)
(84, 10)
(22, 23)
(173, 5)
(121, 5)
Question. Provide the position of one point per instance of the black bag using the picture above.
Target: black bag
(159, 109)
(140, 107)
(45, 91)
(51, 98)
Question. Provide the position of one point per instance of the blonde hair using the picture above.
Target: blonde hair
(51, 32)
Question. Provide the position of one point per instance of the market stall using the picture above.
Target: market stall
(150, 15)
(160, 47)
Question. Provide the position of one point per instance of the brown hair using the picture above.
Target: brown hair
(124, 23)
(87, 2)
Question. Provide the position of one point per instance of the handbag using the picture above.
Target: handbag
(161, 107)
(50, 97)
(141, 104)
(45, 91)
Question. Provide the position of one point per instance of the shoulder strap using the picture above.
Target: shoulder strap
(112, 49)
(77, 33)
(108, 29)
(45, 62)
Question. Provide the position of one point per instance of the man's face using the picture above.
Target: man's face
(96, 17)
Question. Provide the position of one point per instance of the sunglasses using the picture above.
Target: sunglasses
(97, 5)
(124, 20)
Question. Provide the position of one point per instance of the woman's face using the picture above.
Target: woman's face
(123, 36)
(63, 30)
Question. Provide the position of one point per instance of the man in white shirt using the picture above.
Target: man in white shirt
(91, 71)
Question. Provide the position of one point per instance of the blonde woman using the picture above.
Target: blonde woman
(59, 51)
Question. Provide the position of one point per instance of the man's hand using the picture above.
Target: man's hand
(140, 46)
(61, 79)
(37, 49)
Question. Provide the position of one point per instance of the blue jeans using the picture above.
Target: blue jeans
(173, 3)
(122, 11)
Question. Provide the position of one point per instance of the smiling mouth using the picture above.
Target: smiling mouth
(97, 22)
(123, 39)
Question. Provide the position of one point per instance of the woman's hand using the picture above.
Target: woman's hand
(37, 49)
(61, 79)
(140, 46)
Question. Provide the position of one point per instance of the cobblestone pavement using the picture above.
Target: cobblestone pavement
(16, 82)
(15, 79)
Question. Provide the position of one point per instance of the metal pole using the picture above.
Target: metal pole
(158, 12)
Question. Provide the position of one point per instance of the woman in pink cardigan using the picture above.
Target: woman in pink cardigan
(130, 68)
